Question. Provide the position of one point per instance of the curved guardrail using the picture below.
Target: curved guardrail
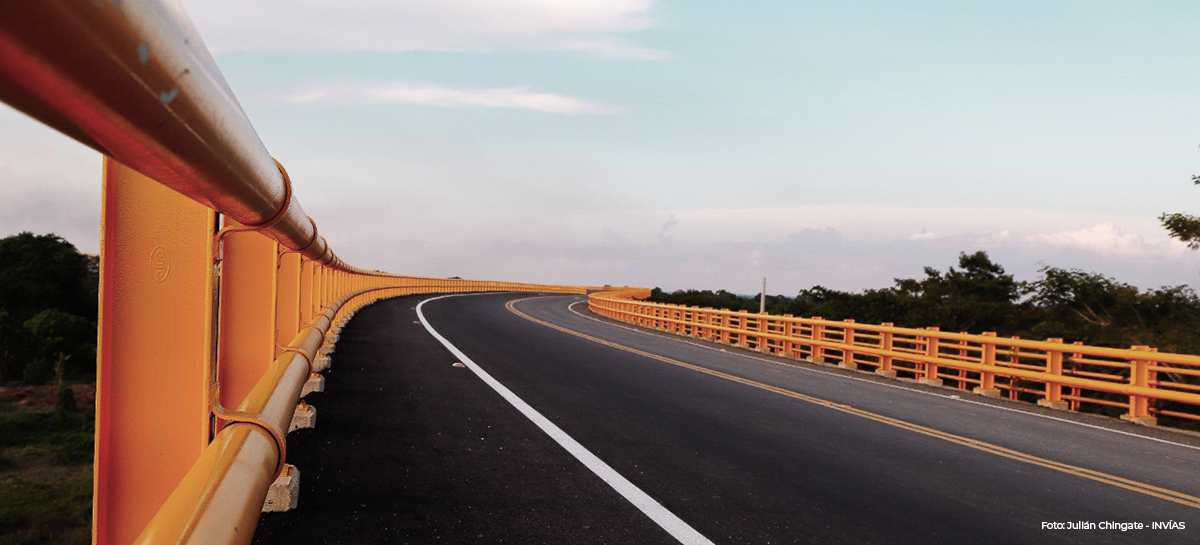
(1141, 381)
(216, 289)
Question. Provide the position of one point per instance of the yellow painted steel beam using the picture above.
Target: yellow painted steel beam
(155, 349)
(287, 302)
(246, 340)
(221, 496)
(134, 81)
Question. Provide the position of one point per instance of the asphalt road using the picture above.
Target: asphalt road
(738, 447)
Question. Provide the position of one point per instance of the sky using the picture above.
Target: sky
(700, 144)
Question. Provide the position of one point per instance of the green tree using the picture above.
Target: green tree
(1183, 226)
(978, 296)
(14, 347)
(59, 335)
(1098, 310)
(44, 271)
(48, 303)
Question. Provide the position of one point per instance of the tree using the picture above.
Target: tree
(44, 271)
(59, 336)
(1183, 226)
(48, 304)
(1093, 308)
(977, 297)
(14, 347)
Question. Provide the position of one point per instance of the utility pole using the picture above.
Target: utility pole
(762, 298)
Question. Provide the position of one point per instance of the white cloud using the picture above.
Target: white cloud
(426, 25)
(436, 95)
(1109, 239)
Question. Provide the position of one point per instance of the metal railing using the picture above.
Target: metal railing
(1140, 383)
(216, 290)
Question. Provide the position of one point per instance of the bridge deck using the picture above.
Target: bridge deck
(409, 448)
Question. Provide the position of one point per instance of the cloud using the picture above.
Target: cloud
(1110, 240)
(48, 183)
(664, 234)
(592, 26)
(447, 97)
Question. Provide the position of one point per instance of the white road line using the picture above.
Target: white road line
(571, 307)
(678, 529)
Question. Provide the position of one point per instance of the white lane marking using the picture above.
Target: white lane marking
(571, 307)
(675, 526)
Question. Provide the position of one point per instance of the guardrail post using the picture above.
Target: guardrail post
(155, 350)
(818, 336)
(887, 343)
(788, 345)
(848, 335)
(1052, 396)
(764, 328)
(932, 350)
(1139, 375)
(246, 342)
(287, 300)
(987, 379)
(307, 268)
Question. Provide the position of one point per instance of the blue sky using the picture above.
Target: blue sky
(701, 144)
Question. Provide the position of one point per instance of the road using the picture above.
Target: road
(694, 443)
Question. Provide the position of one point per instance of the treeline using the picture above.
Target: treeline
(979, 296)
(48, 309)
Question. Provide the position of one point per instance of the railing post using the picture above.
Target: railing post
(1139, 375)
(307, 274)
(246, 342)
(1052, 396)
(287, 300)
(887, 343)
(764, 328)
(155, 351)
(932, 351)
(818, 335)
(788, 346)
(987, 379)
(848, 334)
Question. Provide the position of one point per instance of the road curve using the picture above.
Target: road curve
(741, 448)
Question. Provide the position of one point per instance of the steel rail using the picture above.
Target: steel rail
(134, 81)
(220, 498)
(622, 306)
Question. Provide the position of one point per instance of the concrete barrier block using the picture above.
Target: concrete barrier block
(987, 392)
(305, 417)
(284, 494)
(1060, 405)
(1143, 420)
(316, 383)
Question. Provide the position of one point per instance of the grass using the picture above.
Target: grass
(45, 475)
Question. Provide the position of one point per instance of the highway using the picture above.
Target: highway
(662, 439)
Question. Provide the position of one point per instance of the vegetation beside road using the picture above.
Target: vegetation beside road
(48, 309)
(979, 296)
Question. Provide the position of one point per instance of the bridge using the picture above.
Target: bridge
(492, 412)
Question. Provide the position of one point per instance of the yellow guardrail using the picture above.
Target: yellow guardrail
(1142, 382)
(216, 290)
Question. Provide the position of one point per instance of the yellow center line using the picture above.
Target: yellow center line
(1128, 484)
